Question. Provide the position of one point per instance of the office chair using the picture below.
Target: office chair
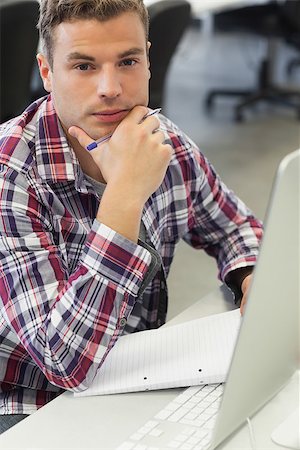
(168, 21)
(292, 64)
(270, 21)
(291, 14)
(18, 45)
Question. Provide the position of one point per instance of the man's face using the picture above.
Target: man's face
(100, 72)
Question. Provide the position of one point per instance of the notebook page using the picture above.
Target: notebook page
(195, 352)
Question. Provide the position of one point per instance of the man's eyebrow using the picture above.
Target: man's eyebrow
(81, 56)
(76, 55)
(132, 52)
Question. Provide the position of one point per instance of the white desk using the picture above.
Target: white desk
(97, 422)
(200, 7)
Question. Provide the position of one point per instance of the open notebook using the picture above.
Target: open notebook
(190, 353)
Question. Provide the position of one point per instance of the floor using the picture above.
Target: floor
(246, 155)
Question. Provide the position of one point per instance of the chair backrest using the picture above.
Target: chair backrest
(168, 21)
(290, 10)
(18, 45)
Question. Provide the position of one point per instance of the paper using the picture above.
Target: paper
(190, 353)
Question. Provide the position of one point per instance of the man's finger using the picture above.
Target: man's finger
(81, 136)
(137, 114)
(242, 308)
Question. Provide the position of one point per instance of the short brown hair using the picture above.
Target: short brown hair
(54, 12)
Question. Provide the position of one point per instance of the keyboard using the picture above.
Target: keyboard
(185, 423)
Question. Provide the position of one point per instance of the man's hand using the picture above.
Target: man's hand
(135, 157)
(133, 163)
(245, 289)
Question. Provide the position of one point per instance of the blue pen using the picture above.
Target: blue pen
(105, 138)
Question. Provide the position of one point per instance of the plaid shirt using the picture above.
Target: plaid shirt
(69, 285)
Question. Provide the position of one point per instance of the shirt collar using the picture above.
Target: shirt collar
(56, 160)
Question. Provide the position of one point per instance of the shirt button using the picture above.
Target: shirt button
(122, 322)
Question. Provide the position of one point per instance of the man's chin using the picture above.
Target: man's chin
(98, 133)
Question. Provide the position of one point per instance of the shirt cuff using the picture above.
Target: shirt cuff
(111, 256)
(234, 280)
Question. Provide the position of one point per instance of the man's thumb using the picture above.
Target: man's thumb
(81, 136)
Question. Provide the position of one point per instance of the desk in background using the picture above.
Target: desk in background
(200, 7)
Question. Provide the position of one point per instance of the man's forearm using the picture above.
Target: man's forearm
(121, 212)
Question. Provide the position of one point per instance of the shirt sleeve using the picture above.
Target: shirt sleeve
(220, 222)
(66, 321)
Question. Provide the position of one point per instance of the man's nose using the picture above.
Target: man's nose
(109, 84)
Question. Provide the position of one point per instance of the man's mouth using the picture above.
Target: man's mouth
(111, 116)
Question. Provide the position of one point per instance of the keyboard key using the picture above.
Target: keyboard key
(179, 414)
(163, 414)
(140, 447)
(189, 431)
(151, 424)
(200, 434)
(156, 432)
(136, 436)
(191, 415)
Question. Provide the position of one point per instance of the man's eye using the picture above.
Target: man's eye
(83, 67)
(128, 62)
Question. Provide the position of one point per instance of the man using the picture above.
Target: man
(87, 238)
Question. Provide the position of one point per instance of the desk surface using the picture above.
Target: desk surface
(88, 422)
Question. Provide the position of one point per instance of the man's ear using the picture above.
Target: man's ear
(45, 71)
(148, 59)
